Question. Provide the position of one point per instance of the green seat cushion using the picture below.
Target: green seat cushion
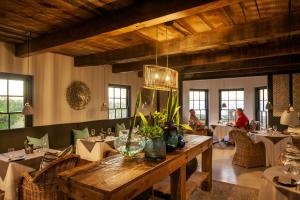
(80, 134)
(119, 127)
(39, 142)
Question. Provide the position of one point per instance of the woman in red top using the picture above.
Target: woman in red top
(242, 120)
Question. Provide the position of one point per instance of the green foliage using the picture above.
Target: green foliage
(160, 118)
(173, 108)
(16, 120)
(133, 121)
(151, 131)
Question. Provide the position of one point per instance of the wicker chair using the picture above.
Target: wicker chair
(247, 153)
(43, 184)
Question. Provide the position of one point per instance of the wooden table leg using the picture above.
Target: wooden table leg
(207, 167)
(178, 181)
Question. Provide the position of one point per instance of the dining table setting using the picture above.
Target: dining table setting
(282, 182)
(13, 164)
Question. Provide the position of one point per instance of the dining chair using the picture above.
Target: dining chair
(42, 185)
(248, 154)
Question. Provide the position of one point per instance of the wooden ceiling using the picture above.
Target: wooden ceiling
(127, 32)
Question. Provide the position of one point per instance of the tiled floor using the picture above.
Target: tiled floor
(224, 171)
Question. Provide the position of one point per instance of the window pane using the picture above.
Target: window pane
(261, 105)
(117, 92)
(16, 104)
(261, 94)
(224, 95)
(191, 105)
(196, 105)
(16, 87)
(3, 87)
(231, 114)
(240, 104)
(123, 103)
(118, 113)
(191, 95)
(112, 114)
(202, 95)
(232, 105)
(197, 113)
(203, 115)
(17, 121)
(111, 103)
(124, 113)
(3, 121)
(110, 92)
(240, 95)
(117, 103)
(265, 94)
(196, 96)
(232, 95)
(202, 104)
(3, 104)
(123, 93)
(224, 114)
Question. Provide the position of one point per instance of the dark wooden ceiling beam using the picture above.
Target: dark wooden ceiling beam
(235, 54)
(242, 73)
(239, 34)
(139, 15)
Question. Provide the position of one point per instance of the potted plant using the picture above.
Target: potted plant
(129, 145)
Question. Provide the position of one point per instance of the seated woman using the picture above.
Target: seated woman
(194, 122)
(242, 120)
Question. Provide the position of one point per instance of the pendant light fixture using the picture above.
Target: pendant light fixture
(27, 109)
(104, 106)
(158, 77)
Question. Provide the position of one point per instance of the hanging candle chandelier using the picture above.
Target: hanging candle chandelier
(158, 77)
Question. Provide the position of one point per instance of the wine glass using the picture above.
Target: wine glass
(93, 132)
(275, 128)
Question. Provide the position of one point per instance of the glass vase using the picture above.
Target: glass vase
(155, 149)
(136, 145)
(170, 136)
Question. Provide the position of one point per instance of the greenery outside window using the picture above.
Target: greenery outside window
(119, 101)
(14, 91)
(198, 100)
(230, 100)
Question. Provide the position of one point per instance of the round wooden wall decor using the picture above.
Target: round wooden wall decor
(78, 95)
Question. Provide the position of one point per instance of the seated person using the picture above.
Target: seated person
(194, 122)
(242, 120)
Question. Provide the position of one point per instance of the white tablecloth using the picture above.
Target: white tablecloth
(273, 149)
(9, 181)
(92, 149)
(271, 191)
(221, 130)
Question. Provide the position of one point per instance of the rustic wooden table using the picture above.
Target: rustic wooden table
(116, 178)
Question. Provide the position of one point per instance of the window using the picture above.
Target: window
(119, 101)
(199, 102)
(230, 100)
(261, 95)
(13, 94)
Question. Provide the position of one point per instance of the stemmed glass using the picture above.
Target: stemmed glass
(275, 128)
(10, 152)
(93, 132)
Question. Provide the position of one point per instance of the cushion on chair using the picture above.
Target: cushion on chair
(80, 134)
(36, 142)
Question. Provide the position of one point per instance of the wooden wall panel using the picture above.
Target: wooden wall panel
(281, 94)
(296, 91)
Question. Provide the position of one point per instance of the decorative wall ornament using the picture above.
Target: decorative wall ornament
(281, 94)
(296, 92)
(78, 95)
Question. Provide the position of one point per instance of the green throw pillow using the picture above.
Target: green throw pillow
(36, 142)
(119, 127)
(80, 134)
